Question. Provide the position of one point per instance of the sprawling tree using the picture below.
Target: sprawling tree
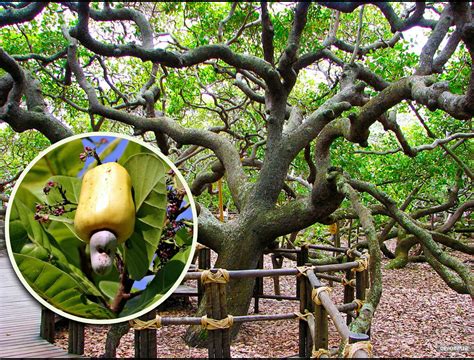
(280, 100)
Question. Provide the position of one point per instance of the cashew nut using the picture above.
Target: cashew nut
(103, 245)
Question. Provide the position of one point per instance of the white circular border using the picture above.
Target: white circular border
(61, 312)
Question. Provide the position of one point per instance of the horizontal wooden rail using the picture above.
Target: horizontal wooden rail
(327, 248)
(345, 308)
(278, 297)
(329, 277)
(191, 320)
(242, 274)
(282, 251)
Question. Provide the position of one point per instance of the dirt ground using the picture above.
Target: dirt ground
(418, 316)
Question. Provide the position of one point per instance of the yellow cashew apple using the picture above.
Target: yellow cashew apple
(106, 203)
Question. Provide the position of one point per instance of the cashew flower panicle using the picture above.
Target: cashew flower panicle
(105, 215)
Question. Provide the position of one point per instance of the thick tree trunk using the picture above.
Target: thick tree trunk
(240, 251)
(115, 333)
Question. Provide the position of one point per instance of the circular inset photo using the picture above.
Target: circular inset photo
(101, 228)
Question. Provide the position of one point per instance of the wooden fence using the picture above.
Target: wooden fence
(313, 296)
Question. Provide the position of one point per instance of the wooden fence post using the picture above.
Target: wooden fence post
(301, 292)
(321, 317)
(303, 330)
(75, 338)
(310, 308)
(361, 284)
(348, 294)
(337, 237)
(47, 324)
(258, 288)
(223, 307)
(350, 234)
(211, 334)
(301, 259)
(204, 262)
(277, 262)
(216, 309)
(145, 340)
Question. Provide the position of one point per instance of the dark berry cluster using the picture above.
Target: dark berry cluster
(166, 250)
(48, 186)
(43, 211)
(175, 200)
(42, 218)
(168, 247)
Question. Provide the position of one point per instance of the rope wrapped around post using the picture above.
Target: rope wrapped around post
(200, 246)
(351, 282)
(213, 324)
(359, 304)
(302, 316)
(315, 293)
(350, 253)
(302, 269)
(310, 319)
(351, 349)
(363, 263)
(220, 276)
(138, 324)
(216, 319)
(316, 354)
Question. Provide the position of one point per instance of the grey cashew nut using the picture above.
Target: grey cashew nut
(103, 245)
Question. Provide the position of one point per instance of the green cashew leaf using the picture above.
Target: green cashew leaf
(59, 288)
(62, 160)
(150, 201)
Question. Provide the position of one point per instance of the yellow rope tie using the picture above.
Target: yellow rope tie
(138, 324)
(213, 324)
(320, 352)
(363, 263)
(351, 282)
(302, 269)
(200, 246)
(351, 349)
(359, 304)
(221, 276)
(315, 293)
(349, 253)
(303, 316)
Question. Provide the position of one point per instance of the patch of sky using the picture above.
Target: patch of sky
(142, 284)
(101, 143)
(186, 214)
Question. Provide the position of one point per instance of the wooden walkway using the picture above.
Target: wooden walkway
(20, 316)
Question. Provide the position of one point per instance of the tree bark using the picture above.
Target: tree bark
(116, 332)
